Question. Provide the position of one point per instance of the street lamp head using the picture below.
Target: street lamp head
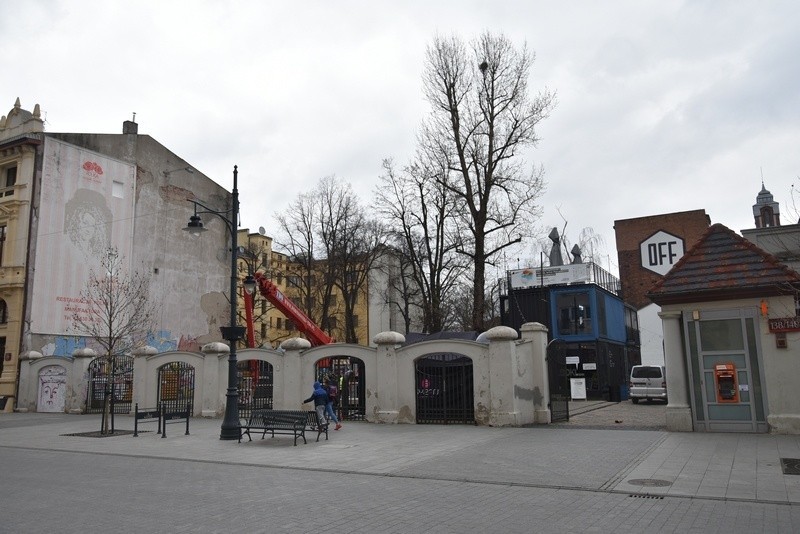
(195, 225)
(249, 284)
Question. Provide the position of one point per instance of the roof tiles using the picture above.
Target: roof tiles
(722, 266)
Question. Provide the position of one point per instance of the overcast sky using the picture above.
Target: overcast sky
(663, 106)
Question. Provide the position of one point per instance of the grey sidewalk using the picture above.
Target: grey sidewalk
(728, 466)
(736, 471)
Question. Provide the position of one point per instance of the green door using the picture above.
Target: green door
(719, 342)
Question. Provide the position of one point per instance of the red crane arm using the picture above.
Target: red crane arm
(271, 292)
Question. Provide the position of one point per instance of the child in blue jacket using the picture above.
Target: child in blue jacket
(320, 398)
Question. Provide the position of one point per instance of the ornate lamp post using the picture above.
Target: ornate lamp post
(233, 332)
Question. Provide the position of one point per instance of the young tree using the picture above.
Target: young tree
(481, 120)
(117, 314)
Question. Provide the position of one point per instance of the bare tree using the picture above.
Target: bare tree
(331, 245)
(422, 214)
(353, 245)
(117, 314)
(481, 120)
(299, 231)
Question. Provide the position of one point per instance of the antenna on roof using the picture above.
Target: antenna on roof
(762, 177)
(134, 117)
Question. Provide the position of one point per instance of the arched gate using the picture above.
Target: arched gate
(175, 386)
(348, 373)
(445, 391)
(255, 386)
(106, 378)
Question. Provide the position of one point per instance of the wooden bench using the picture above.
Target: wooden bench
(292, 422)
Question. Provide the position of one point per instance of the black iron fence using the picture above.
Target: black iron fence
(112, 378)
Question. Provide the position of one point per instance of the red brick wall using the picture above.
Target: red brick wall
(636, 280)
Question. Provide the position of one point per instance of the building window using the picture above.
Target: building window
(574, 314)
(263, 306)
(329, 323)
(263, 332)
(10, 181)
(3, 313)
(278, 323)
(290, 325)
(293, 281)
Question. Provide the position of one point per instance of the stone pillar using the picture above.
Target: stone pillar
(78, 380)
(292, 385)
(679, 411)
(140, 378)
(215, 379)
(28, 382)
(535, 335)
(503, 365)
(386, 400)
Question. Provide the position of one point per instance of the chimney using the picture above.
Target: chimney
(130, 127)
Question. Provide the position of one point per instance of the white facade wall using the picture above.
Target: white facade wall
(510, 379)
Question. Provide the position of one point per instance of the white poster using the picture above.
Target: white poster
(577, 388)
(86, 206)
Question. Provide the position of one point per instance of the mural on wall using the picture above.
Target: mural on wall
(63, 346)
(162, 341)
(87, 205)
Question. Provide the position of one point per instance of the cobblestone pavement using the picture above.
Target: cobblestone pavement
(376, 478)
(618, 415)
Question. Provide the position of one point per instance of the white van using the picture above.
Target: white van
(648, 382)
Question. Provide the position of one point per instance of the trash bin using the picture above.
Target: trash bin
(624, 392)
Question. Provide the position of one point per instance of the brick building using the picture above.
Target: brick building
(647, 248)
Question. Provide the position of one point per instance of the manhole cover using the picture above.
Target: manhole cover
(790, 466)
(650, 482)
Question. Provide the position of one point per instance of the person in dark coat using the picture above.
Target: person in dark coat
(320, 398)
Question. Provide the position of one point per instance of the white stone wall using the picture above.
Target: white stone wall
(510, 375)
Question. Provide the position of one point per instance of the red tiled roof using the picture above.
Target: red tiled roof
(723, 266)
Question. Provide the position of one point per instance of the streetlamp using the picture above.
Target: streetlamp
(233, 332)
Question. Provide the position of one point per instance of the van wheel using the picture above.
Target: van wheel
(635, 401)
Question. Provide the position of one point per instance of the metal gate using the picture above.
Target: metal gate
(175, 386)
(558, 378)
(102, 382)
(255, 386)
(348, 373)
(444, 389)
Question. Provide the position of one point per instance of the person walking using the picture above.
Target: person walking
(320, 398)
(333, 393)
